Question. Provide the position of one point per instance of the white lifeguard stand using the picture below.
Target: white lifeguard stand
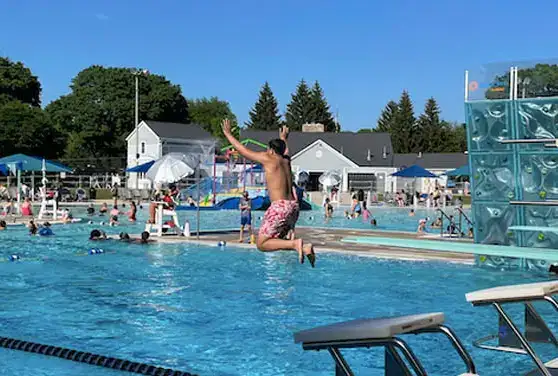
(48, 207)
(160, 215)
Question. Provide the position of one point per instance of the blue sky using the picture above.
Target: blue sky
(364, 53)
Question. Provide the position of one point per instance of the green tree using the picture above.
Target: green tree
(18, 83)
(365, 130)
(455, 136)
(430, 134)
(387, 117)
(99, 112)
(27, 130)
(538, 81)
(210, 112)
(403, 127)
(300, 109)
(320, 109)
(265, 113)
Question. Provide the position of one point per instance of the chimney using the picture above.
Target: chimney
(312, 128)
(384, 152)
(368, 156)
(420, 154)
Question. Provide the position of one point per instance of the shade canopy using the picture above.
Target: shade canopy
(415, 171)
(330, 179)
(144, 167)
(461, 171)
(171, 168)
(24, 162)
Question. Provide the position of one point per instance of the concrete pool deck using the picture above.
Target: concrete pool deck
(331, 240)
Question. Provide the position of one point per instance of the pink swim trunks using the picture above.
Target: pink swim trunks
(279, 219)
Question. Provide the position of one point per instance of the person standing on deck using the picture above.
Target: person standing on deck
(282, 215)
(245, 215)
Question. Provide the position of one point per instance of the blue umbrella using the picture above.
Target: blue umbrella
(141, 168)
(24, 162)
(414, 171)
(461, 171)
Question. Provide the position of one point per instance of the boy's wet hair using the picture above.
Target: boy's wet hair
(278, 146)
(95, 234)
(144, 235)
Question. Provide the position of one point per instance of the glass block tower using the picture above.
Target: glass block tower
(512, 123)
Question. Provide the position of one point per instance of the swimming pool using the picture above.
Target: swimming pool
(228, 311)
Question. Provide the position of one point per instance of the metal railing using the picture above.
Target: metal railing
(451, 222)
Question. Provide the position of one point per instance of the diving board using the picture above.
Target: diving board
(382, 332)
(533, 228)
(546, 254)
(509, 337)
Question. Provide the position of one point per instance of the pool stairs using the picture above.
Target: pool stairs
(399, 359)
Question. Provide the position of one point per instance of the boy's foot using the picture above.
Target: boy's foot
(299, 246)
(308, 251)
(241, 240)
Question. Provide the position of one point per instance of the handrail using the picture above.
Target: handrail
(529, 141)
(444, 214)
(538, 203)
(460, 210)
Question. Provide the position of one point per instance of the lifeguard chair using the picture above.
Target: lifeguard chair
(160, 224)
(49, 207)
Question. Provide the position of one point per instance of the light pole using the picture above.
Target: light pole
(137, 73)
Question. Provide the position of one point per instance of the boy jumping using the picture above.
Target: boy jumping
(282, 215)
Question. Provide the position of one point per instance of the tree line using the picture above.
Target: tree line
(91, 122)
(307, 106)
(428, 133)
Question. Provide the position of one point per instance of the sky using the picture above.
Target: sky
(363, 53)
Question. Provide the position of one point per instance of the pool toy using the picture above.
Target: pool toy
(222, 243)
(96, 251)
(14, 258)
(45, 231)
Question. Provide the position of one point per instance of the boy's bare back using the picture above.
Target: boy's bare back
(279, 178)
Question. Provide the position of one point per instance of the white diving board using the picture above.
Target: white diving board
(533, 228)
(361, 329)
(529, 291)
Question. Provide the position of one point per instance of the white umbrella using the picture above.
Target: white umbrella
(330, 179)
(169, 169)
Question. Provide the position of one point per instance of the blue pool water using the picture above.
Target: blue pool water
(229, 311)
(389, 219)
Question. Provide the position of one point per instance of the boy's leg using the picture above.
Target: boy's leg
(241, 234)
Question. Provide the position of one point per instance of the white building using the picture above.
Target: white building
(155, 139)
(365, 160)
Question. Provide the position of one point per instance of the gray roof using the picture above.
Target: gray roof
(179, 131)
(431, 160)
(354, 146)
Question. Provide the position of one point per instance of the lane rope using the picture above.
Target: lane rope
(89, 358)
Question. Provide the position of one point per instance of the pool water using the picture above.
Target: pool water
(224, 311)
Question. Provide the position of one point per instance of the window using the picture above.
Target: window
(143, 147)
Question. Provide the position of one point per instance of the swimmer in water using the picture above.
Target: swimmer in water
(132, 212)
(32, 228)
(3, 225)
(97, 235)
(104, 209)
(90, 210)
(422, 225)
(124, 237)
(412, 213)
(374, 222)
(114, 216)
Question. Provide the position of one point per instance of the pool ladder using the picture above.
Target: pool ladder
(458, 225)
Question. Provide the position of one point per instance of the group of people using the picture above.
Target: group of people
(115, 212)
(98, 235)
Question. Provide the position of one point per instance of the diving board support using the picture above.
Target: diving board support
(399, 359)
(510, 338)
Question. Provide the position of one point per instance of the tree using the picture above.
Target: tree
(321, 113)
(265, 113)
(27, 130)
(18, 83)
(455, 136)
(365, 130)
(210, 112)
(403, 127)
(387, 117)
(538, 81)
(99, 112)
(430, 135)
(300, 110)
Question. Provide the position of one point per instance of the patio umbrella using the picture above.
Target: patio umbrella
(330, 179)
(461, 171)
(414, 171)
(169, 169)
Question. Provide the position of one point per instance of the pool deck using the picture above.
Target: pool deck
(330, 240)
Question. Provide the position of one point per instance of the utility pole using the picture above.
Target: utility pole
(137, 73)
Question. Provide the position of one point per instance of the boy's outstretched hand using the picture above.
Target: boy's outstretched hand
(284, 133)
(226, 127)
